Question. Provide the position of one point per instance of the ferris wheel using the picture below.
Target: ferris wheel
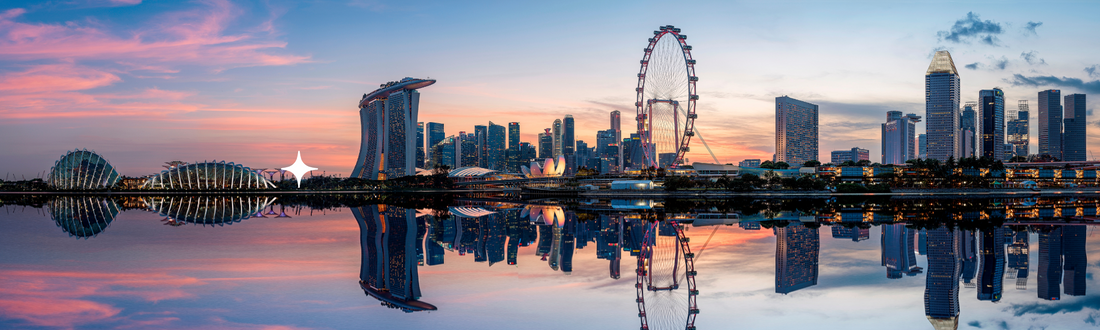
(666, 278)
(666, 98)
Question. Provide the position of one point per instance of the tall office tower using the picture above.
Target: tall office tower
(1017, 259)
(992, 123)
(1074, 137)
(481, 134)
(941, 290)
(557, 137)
(494, 150)
(420, 144)
(795, 131)
(444, 152)
(616, 125)
(1073, 248)
(632, 152)
(992, 270)
(435, 136)
(513, 151)
(899, 139)
(546, 145)
(855, 155)
(897, 251)
(607, 149)
(387, 115)
(796, 257)
(1050, 263)
(1050, 123)
(922, 142)
(968, 130)
(1018, 130)
(527, 153)
(469, 150)
(941, 107)
(582, 155)
(568, 144)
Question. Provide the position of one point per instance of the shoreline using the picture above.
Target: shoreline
(616, 193)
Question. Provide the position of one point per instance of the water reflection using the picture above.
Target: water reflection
(979, 245)
(83, 216)
(209, 210)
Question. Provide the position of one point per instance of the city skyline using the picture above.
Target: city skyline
(256, 74)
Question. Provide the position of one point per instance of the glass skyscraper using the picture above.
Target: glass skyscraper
(1074, 138)
(513, 152)
(494, 150)
(420, 144)
(1018, 128)
(992, 105)
(941, 291)
(968, 130)
(435, 136)
(795, 131)
(568, 143)
(942, 94)
(1050, 123)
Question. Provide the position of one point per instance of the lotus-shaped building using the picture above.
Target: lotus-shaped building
(82, 170)
(208, 176)
(548, 169)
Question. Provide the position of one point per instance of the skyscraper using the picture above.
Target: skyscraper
(420, 144)
(388, 269)
(992, 123)
(435, 136)
(481, 136)
(968, 129)
(899, 139)
(795, 131)
(796, 257)
(546, 145)
(494, 150)
(568, 144)
(1050, 123)
(1075, 129)
(1017, 259)
(387, 115)
(469, 151)
(941, 290)
(1018, 128)
(923, 145)
(513, 152)
(616, 125)
(941, 107)
(557, 130)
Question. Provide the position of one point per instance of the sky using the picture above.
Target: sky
(147, 82)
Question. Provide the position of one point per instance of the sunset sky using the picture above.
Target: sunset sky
(145, 82)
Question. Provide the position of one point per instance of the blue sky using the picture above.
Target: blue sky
(147, 82)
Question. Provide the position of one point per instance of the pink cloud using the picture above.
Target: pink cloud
(192, 37)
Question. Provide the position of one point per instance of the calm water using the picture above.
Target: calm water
(354, 262)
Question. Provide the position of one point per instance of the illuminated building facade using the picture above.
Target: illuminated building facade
(1050, 123)
(795, 130)
(942, 94)
(796, 257)
(1017, 130)
(1074, 137)
(82, 170)
(388, 118)
(899, 138)
(992, 105)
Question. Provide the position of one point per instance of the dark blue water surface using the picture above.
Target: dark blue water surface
(449, 262)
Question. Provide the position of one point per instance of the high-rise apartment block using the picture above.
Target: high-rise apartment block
(795, 130)
(992, 105)
(1050, 123)
(942, 93)
(899, 139)
(1074, 137)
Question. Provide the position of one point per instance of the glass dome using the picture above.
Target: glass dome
(208, 176)
(82, 170)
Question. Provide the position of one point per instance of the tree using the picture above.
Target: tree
(811, 163)
(767, 164)
(782, 165)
